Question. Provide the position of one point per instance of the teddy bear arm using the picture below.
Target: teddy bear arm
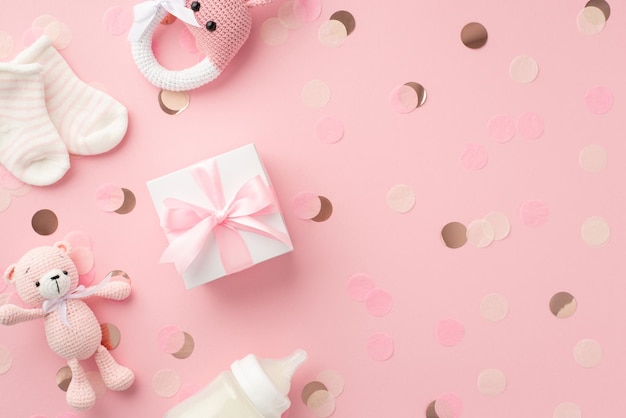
(12, 314)
(116, 290)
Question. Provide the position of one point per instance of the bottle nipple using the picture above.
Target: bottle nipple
(280, 371)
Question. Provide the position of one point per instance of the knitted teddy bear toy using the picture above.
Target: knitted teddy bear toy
(47, 279)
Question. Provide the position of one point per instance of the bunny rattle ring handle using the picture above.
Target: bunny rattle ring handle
(220, 28)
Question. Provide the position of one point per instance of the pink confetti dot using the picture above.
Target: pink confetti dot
(380, 347)
(359, 285)
(329, 130)
(117, 20)
(187, 41)
(8, 180)
(6, 359)
(474, 157)
(307, 10)
(403, 99)
(87, 278)
(83, 259)
(109, 197)
(599, 100)
(501, 128)
(450, 333)
(378, 302)
(79, 239)
(166, 383)
(306, 205)
(534, 213)
(530, 125)
(171, 339)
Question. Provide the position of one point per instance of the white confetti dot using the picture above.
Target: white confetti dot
(588, 353)
(523, 69)
(491, 382)
(596, 231)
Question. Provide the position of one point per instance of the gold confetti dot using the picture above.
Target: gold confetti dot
(187, 347)
(173, 102)
(602, 5)
(129, 202)
(419, 90)
(310, 388)
(454, 235)
(325, 212)
(346, 18)
(563, 305)
(45, 222)
(63, 378)
(430, 411)
(111, 336)
(474, 35)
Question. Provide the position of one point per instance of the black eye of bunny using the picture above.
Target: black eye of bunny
(211, 26)
(37, 284)
(195, 6)
(65, 272)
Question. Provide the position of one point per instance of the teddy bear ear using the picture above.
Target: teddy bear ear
(63, 246)
(254, 3)
(9, 274)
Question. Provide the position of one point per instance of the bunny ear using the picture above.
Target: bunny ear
(254, 3)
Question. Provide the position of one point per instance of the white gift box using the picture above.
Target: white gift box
(223, 230)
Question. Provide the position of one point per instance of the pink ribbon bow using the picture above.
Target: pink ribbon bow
(190, 225)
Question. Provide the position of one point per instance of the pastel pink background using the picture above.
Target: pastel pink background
(300, 300)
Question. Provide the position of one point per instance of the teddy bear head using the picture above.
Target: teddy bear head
(43, 273)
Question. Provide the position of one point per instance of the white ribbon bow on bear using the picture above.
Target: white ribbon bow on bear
(79, 293)
(144, 14)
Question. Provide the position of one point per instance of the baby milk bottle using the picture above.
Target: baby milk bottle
(252, 388)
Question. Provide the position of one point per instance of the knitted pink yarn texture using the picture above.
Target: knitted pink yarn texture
(232, 22)
(46, 279)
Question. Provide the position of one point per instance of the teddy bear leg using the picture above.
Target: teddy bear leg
(80, 395)
(115, 376)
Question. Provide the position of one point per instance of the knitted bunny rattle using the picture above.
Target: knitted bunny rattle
(220, 28)
(46, 279)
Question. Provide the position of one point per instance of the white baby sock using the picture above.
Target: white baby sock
(88, 120)
(30, 146)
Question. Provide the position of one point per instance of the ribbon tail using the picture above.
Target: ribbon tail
(63, 314)
(184, 249)
(249, 224)
(234, 252)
